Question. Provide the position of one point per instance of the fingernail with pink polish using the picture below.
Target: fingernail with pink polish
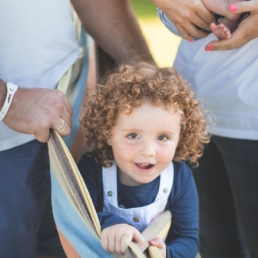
(191, 40)
(208, 48)
(233, 8)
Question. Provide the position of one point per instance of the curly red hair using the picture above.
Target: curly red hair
(125, 89)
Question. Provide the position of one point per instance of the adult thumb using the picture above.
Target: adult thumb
(242, 7)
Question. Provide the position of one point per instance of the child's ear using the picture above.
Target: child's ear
(108, 141)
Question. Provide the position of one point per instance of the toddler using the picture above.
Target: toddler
(142, 125)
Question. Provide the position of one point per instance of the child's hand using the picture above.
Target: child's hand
(117, 238)
(160, 244)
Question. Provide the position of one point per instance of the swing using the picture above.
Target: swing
(75, 216)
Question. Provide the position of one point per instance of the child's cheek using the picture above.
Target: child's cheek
(166, 152)
(129, 147)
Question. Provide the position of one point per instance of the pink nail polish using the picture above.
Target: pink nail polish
(208, 48)
(191, 40)
(233, 8)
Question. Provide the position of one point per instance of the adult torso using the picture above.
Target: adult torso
(38, 45)
(226, 83)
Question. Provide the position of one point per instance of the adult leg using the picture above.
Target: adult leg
(48, 243)
(24, 194)
(219, 237)
(241, 161)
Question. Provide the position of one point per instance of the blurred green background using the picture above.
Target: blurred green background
(144, 9)
(162, 43)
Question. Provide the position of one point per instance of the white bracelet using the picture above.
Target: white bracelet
(11, 89)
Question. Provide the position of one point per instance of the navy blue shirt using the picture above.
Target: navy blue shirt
(183, 236)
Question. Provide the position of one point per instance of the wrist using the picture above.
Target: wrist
(3, 92)
(11, 89)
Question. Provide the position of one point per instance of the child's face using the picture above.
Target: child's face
(144, 142)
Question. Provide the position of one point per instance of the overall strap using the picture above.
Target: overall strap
(166, 182)
(109, 176)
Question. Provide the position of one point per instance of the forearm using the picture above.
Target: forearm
(169, 24)
(183, 247)
(183, 236)
(3, 92)
(113, 25)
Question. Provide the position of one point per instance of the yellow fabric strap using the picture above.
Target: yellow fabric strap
(65, 81)
(71, 181)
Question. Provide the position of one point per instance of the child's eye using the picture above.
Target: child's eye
(133, 136)
(162, 138)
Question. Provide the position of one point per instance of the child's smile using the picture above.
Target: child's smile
(144, 142)
(145, 167)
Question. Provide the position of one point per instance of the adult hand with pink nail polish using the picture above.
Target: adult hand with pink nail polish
(246, 31)
(189, 16)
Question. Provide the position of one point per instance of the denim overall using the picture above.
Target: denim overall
(139, 217)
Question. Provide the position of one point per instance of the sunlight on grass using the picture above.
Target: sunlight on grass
(163, 44)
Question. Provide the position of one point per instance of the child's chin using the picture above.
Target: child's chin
(145, 180)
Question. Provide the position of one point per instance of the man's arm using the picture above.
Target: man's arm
(3, 92)
(113, 25)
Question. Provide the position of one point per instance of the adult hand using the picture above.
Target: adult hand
(35, 111)
(117, 238)
(186, 15)
(246, 31)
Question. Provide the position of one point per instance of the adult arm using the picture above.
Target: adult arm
(188, 16)
(183, 239)
(113, 25)
(35, 111)
(246, 31)
(3, 92)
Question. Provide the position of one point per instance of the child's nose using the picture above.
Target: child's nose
(148, 149)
